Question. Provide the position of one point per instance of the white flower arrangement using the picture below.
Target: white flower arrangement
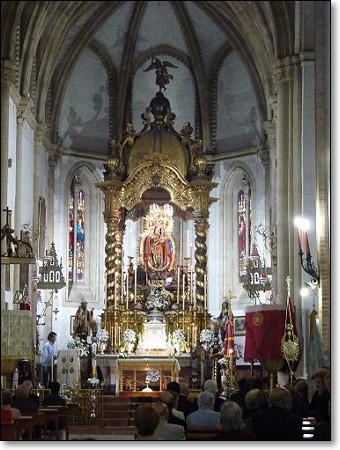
(80, 345)
(102, 336)
(129, 336)
(207, 337)
(68, 393)
(223, 361)
(178, 336)
(93, 383)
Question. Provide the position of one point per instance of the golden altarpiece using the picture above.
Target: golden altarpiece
(156, 174)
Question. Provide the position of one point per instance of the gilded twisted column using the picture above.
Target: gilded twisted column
(201, 229)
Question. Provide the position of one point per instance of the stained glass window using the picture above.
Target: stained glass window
(76, 233)
(244, 231)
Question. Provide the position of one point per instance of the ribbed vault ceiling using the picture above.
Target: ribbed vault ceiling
(59, 45)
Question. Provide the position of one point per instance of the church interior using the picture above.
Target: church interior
(165, 194)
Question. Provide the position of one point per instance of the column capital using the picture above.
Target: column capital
(9, 71)
(283, 69)
(264, 155)
(269, 127)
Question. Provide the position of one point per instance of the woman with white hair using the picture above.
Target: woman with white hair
(232, 424)
(211, 386)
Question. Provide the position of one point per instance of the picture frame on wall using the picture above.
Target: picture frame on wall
(239, 325)
(240, 342)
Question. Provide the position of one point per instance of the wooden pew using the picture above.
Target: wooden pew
(202, 434)
(24, 424)
(52, 422)
(8, 431)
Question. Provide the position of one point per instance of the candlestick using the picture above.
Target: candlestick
(307, 244)
(94, 349)
(299, 239)
(122, 285)
(183, 290)
(135, 284)
(195, 290)
(178, 280)
(205, 291)
(188, 242)
(52, 369)
(115, 291)
(127, 290)
(191, 287)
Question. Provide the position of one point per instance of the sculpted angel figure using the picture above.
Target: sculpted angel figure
(162, 75)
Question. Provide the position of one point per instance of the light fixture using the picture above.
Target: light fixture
(306, 261)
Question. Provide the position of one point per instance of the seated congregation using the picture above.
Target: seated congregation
(252, 413)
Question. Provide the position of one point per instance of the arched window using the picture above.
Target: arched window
(244, 219)
(76, 233)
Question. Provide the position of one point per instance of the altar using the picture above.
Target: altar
(138, 373)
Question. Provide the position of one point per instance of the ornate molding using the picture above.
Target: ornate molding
(264, 155)
(9, 71)
(284, 69)
(156, 172)
(270, 131)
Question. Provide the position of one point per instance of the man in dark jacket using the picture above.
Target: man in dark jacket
(278, 423)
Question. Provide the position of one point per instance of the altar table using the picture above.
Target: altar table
(135, 373)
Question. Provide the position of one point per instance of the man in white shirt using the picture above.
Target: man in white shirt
(48, 357)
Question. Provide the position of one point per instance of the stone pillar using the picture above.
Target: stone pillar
(283, 76)
(270, 161)
(8, 76)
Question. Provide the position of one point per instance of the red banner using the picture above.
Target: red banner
(264, 330)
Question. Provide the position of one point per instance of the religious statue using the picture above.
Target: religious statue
(84, 322)
(162, 75)
(158, 251)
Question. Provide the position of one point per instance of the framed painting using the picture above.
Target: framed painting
(239, 325)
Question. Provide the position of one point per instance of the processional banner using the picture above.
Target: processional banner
(264, 330)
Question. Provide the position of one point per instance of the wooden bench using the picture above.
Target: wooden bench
(202, 434)
(8, 431)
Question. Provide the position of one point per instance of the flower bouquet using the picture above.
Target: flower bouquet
(129, 336)
(178, 336)
(207, 338)
(93, 383)
(102, 337)
(80, 345)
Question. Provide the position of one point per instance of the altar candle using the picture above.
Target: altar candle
(122, 285)
(299, 239)
(94, 349)
(188, 242)
(135, 285)
(190, 287)
(205, 291)
(115, 290)
(127, 290)
(178, 280)
(52, 368)
(195, 291)
(183, 290)
(307, 244)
